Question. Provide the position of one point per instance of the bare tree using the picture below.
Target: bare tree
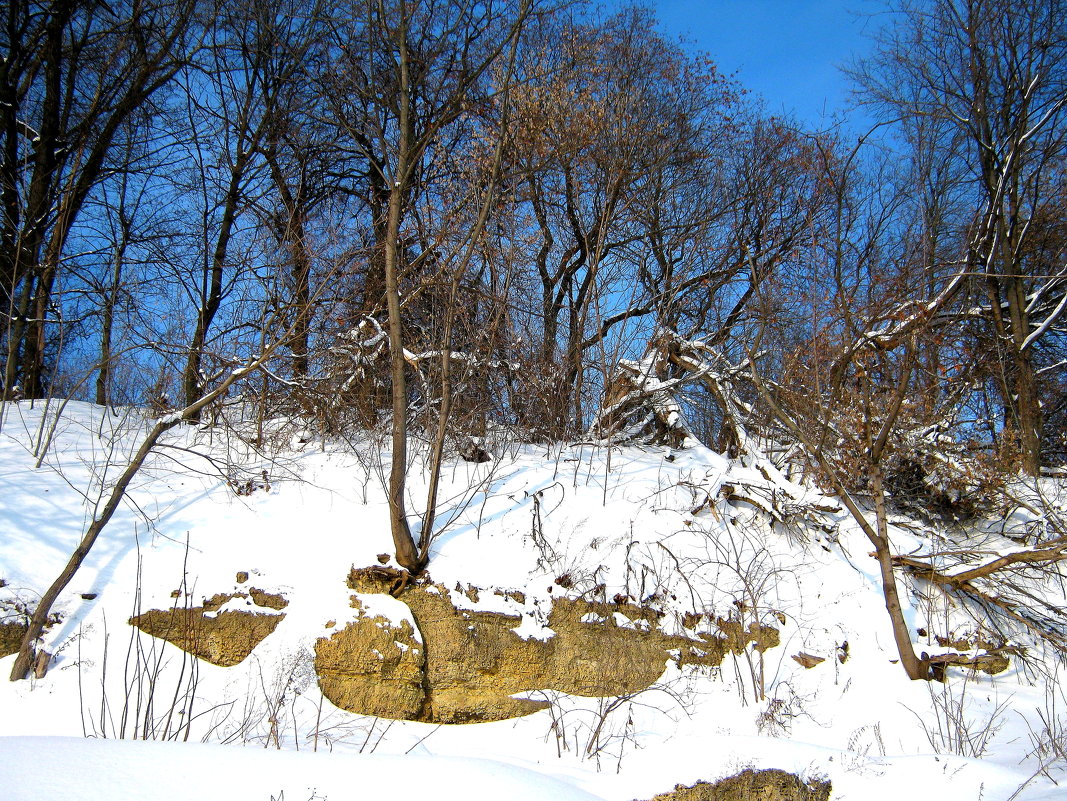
(255, 54)
(415, 72)
(72, 77)
(990, 76)
(614, 164)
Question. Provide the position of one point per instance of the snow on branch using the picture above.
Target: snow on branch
(640, 403)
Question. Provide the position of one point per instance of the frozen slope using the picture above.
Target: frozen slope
(651, 525)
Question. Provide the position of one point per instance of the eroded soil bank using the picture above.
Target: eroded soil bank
(448, 664)
(221, 636)
(463, 666)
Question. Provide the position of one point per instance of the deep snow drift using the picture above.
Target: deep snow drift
(574, 520)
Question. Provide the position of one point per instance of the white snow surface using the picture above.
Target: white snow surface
(536, 523)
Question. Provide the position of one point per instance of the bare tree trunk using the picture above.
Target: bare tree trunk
(192, 380)
(1024, 400)
(34, 344)
(26, 654)
(25, 659)
(878, 535)
(407, 555)
(15, 334)
(302, 291)
(913, 666)
(107, 319)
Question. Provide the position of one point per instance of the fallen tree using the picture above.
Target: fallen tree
(856, 452)
(1001, 584)
(641, 404)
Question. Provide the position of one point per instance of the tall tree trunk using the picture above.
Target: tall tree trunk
(407, 555)
(192, 380)
(1024, 399)
(35, 338)
(915, 667)
(16, 333)
(107, 323)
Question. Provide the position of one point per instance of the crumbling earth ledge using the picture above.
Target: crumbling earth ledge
(472, 663)
(752, 785)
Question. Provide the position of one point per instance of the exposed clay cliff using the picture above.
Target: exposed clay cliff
(472, 662)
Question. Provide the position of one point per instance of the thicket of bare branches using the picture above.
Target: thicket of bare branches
(440, 216)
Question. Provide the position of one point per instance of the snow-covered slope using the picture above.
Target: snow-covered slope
(682, 532)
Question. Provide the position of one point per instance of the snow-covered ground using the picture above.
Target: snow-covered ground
(649, 524)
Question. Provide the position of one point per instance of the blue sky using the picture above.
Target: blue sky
(785, 50)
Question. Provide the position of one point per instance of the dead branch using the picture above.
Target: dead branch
(1015, 610)
(1047, 553)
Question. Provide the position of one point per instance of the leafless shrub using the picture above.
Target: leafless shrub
(781, 709)
(547, 557)
(291, 676)
(954, 726)
(741, 567)
(158, 699)
(1048, 740)
(857, 757)
(601, 730)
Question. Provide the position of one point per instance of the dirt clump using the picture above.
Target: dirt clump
(11, 635)
(752, 785)
(223, 638)
(268, 600)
